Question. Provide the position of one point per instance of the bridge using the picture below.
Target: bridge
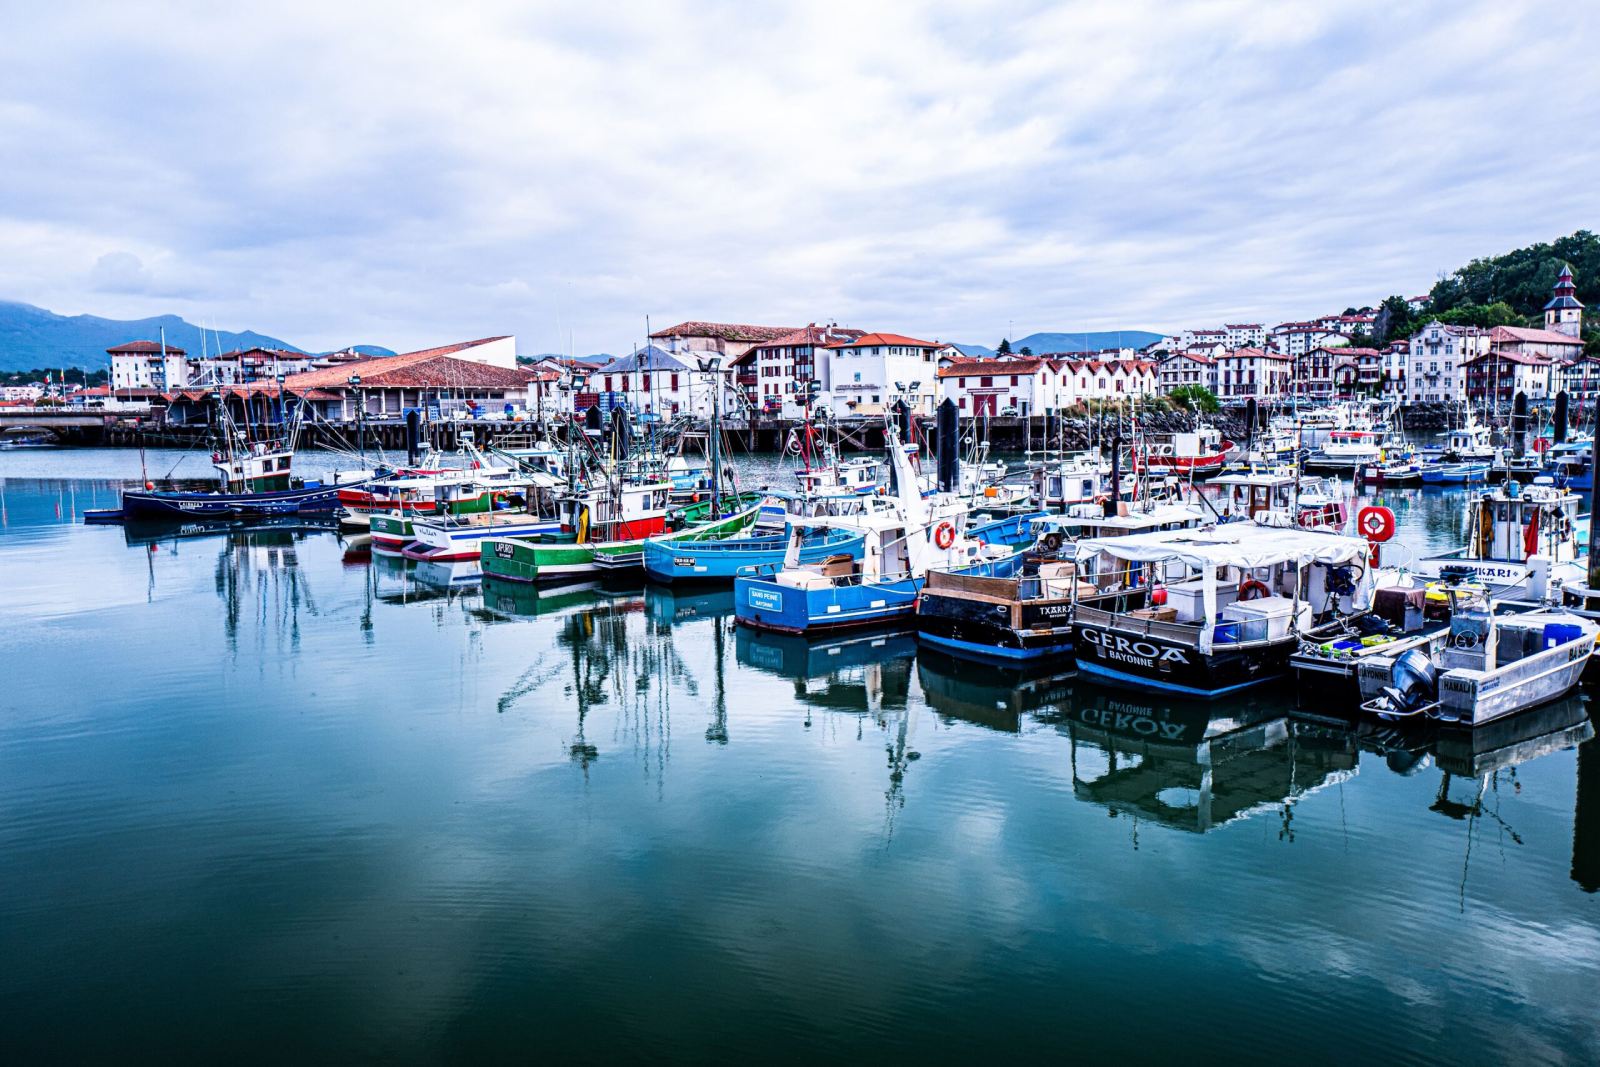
(80, 425)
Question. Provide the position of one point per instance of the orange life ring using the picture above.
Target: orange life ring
(944, 535)
(1376, 523)
(1253, 589)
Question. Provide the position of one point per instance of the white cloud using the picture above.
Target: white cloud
(412, 174)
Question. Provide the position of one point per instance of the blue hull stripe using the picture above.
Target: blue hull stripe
(995, 651)
(1090, 667)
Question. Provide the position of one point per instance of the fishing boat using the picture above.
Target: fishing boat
(1196, 453)
(451, 537)
(254, 478)
(1233, 600)
(1516, 537)
(692, 523)
(1471, 442)
(1490, 666)
(1026, 616)
(1453, 473)
(1279, 497)
(521, 559)
(675, 562)
(1349, 449)
(881, 586)
(858, 474)
(901, 544)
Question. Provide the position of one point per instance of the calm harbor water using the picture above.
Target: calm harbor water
(263, 795)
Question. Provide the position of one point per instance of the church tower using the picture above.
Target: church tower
(1564, 314)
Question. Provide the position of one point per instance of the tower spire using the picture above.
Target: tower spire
(1564, 314)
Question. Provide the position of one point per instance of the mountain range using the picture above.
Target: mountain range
(31, 337)
(1093, 341)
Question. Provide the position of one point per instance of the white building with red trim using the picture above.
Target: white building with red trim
(148, 365)
(786, 364)
(1187, 368)
(867, 374)
(1254, 372)
(1023, 387)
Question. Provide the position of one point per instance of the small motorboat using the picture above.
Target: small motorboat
(1491, 666)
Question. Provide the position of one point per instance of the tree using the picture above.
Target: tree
(1195, 398)
(1004, 348)
(1024, 351)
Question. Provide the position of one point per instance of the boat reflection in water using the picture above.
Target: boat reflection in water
(454, 574)
(864, 672)
(674, 605)
(1192, 765)
(864, 675)
(991, 695)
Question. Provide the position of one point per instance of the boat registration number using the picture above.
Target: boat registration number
(769, 599)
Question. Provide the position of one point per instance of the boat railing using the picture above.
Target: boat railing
(1184, 633)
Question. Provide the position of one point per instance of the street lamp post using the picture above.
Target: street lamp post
(361, 417)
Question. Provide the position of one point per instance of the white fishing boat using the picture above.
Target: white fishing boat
(1490, 666)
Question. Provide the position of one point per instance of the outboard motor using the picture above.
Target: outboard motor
(1413, 683)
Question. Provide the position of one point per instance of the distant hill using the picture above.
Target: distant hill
(1040, 343)
(1085, 342)
(33, 337)
(368, 350)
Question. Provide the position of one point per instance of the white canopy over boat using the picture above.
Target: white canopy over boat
(1242, 545)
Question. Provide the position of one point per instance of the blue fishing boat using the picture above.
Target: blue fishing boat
(903, 540)
(879, 587)
(710, 561)
(1454, 473)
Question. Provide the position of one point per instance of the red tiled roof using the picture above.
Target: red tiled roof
(724, 331)
(430, 368)
(870, 339)
(1507, 355)
(275, 353)
(969, 367)
(1502, 334)
(144, 348)
(813, 335)
(1254, 353)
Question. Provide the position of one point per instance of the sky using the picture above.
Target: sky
(416, 174)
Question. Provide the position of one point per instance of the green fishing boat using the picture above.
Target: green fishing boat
(532, 560)
(393, 530)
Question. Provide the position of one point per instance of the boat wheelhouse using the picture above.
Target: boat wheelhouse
(1207, 611)
(1279, 498)
(1026, 616)
(1196, 453)
(859, 475)
(1509, 527)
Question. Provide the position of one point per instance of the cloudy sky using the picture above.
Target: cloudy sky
(413, 174)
